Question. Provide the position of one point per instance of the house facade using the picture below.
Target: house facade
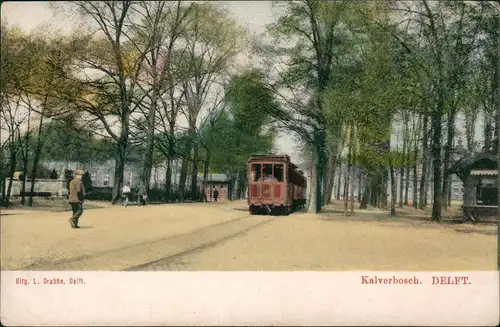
(221, 182)
(102, 173)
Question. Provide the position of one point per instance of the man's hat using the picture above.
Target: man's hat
(79, 172)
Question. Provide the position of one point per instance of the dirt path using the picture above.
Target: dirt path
(302, 242)
(38, 239)
(224, 237)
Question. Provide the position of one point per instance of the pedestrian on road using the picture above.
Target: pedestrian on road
(126, 194)
(76, 196)
(216, 194)
(141, 194)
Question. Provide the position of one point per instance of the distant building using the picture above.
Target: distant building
(102, 173)
(217, 181)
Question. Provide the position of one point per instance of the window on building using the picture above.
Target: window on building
(93, 176)
(105, 181)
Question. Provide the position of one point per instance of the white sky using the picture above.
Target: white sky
(251, 14)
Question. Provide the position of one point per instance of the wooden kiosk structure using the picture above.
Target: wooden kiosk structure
(479, 173)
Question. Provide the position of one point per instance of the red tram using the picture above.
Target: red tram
(275, 185)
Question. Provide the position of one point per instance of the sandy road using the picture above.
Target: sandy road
(224, 237)
(114, 238)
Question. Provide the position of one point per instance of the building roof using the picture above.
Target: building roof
(468, 162)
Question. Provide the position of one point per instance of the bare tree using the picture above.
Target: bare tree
(109, 64)
(208, 59)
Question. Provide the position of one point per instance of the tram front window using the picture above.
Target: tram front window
(278, 173)
(255, 174)
(267, 173)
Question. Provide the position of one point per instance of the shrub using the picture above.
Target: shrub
(100, 193)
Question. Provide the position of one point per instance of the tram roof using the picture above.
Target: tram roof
(273, 158)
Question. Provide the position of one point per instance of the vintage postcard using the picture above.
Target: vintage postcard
(250, 163)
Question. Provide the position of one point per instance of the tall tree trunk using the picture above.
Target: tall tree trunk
(487, 132)
(408, 160)
(36, 158)
(170, 163)
(349, 168)
(335, 150)
(429, 178)
(13, 161)
(241, 183)
(447, 156)
(360, 183)
(346, 187)
(317, 172)
(194, 172)
(236, 185)
(3, 199)
(205, 175)
(25, 178)
(470, 129)
(383, 187)
(353, 160)
(415, 165)
(120, 158)
(425, 157)
(402, 163)
(407, 184)
(383, 190)
(436, 159)
(366, 192)
(184, 170)
(393, 191)
(313, 192)
(401, 185)
(339, 180)
(330, 176)
(375, 184)
(150, 134)
(122, 144)
(352, 191)
(119, 170)
(322, 156)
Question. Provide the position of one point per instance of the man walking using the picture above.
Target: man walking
(141, 194)
(76, 196)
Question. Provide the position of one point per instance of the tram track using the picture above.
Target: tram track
(158, 252)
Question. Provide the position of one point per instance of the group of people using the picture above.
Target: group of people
(77, 195)
(141, 194)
